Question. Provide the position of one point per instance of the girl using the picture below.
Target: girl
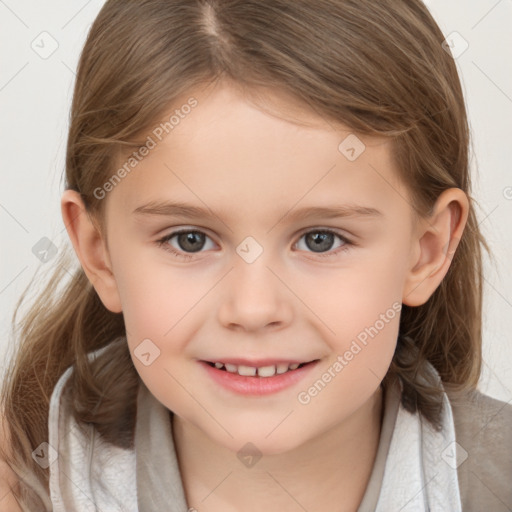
(320, 347)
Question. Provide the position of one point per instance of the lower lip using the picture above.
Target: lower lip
(257, 386)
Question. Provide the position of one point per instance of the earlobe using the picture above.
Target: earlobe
(435, 242)
(90, 249)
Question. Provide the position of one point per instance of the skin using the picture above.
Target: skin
(251, 164)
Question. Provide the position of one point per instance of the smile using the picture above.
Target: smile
(261, 371)
(257, 380)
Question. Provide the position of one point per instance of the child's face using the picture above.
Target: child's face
(252, 172)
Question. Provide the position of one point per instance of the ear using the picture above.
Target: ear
(435, 240)
(91, 249)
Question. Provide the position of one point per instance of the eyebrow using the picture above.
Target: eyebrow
(178, 209)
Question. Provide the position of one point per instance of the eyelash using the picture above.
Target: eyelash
(162, 242)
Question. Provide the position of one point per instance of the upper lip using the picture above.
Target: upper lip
(257, 363)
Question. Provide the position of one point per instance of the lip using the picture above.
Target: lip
(257, 363)
(257, 386)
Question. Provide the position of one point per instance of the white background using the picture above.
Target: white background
(35, 96)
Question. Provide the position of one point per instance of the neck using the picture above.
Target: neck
(329, 471)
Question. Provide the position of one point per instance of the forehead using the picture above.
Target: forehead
(263, 149)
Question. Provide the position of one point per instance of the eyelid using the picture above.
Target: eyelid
(160, 242)
(348, 241)
(336, 231)
(346, 235)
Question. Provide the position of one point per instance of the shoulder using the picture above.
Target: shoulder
(483, 432)
(484, 420)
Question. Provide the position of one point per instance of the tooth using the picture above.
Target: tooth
(248, 371)
(267, 371)
(218, 365)
(281, 368)
(294, 366)
(231, 367)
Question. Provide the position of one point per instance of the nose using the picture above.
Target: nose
(255, 298)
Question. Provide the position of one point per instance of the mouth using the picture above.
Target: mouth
(261, 370)
(251, 378)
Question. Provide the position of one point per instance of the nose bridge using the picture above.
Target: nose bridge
(255, 296)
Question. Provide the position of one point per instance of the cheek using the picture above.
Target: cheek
(158, 307)
(349, 299)
(155, 296)
(359, 308)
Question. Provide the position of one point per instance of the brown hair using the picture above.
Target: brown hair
(378, 67)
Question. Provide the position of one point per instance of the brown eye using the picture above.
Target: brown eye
(191, 241)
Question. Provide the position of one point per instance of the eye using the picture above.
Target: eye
(191, 241)
(320, 241)
(187, 240)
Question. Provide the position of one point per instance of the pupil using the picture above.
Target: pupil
(188, 241)
(319, 240)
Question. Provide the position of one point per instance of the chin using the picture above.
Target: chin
(257, 442)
